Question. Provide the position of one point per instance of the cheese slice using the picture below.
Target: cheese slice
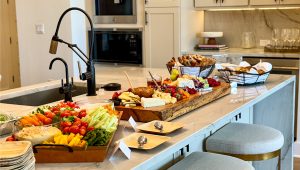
(152, 102)
(186, 83)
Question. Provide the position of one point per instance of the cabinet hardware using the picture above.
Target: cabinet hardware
(10, 40)
(187, 148)
(13, 78)
(181, 152)
(146, 1)
(217, 1)
(222, 1)
(240, 115)
(236, 118)
(146, 18)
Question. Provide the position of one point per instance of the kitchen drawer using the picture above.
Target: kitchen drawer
(161, 3)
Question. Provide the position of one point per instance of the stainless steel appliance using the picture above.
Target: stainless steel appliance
(115, 12)
(285, 65)
(118, 46)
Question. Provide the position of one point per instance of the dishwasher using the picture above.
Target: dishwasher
(282, 65)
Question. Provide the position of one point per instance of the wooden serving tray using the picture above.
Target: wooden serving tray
(65, 154)
(172, 111)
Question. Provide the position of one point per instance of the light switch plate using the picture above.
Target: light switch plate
(264, 43)
(40, 28)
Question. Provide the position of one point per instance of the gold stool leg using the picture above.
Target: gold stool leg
(279, 160)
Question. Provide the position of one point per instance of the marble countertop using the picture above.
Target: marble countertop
(255, 52)
(197, 122)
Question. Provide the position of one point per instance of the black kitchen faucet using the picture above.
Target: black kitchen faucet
(65, 88)
(89, 75)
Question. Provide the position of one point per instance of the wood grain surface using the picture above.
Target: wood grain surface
(172, 111)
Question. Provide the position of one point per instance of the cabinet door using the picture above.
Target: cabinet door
(207, 3)
(162, 3)
(264, 2)
(289, 2)
(162, 36)
(234, 2)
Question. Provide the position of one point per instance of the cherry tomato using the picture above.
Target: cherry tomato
(65, 114)
(90, 128)
(67, 124)
(82, 114)
(77, 123)
(74, 113)
(77, 119)
(11, 138)
(54, 109)
(66, 130)
(74, 129)
(49, 115)
(47, 121)
(82, 131)
(84, 124)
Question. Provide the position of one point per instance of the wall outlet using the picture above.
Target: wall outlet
(264, 43)
(40, 28)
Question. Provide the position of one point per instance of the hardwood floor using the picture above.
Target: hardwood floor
(296, 163)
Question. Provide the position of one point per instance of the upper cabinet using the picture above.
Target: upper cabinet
(290, 2)
(220, 3)
(274, 2)
(161, 3)
(264, 2)
(243, 3)
(233, 2)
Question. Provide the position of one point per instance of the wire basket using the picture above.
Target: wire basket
(203, 72)
(243, 78)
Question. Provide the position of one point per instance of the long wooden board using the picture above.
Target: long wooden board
(172, 111)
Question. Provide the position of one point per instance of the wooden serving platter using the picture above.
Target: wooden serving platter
(65, 154)
(172, 111)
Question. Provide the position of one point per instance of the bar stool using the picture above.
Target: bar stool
(248, 142)
(211, 161)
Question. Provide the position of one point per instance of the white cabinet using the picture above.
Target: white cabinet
(233, 2)
(162, 34)
(220, 3)
(207, 3)
(289, 2)
(170, 31)
(274, 2)
(264, 2)
(161, 3)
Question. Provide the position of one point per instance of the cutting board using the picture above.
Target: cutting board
(172, 111)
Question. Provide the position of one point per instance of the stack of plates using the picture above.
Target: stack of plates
(16, 155)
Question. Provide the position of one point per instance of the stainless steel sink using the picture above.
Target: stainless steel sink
(43, 97)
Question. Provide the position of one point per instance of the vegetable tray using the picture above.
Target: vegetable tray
(45, 153)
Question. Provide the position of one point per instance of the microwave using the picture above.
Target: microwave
(115, 12)
(118, 46)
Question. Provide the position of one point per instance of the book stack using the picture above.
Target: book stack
(212, 47)
(16, 155)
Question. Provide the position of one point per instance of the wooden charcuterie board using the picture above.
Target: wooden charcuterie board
(172, 111)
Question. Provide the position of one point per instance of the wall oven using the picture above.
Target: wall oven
(118, 46)
(288, 66)
(115, 12)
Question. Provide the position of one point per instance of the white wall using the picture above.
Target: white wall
(33, 48)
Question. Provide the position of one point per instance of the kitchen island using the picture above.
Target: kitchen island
(270, 104)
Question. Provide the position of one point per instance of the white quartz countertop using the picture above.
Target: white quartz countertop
(240, 52)
(197, 122)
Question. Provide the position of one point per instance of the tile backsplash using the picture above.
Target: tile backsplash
(261, 22)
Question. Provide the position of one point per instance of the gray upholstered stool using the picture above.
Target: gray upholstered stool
(247, 141)
(211, 161)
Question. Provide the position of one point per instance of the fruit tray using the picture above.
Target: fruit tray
(45, 153)
(203, 72)
(243, 78)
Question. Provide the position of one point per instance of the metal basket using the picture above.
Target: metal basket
(203, 72)
(243, 78)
